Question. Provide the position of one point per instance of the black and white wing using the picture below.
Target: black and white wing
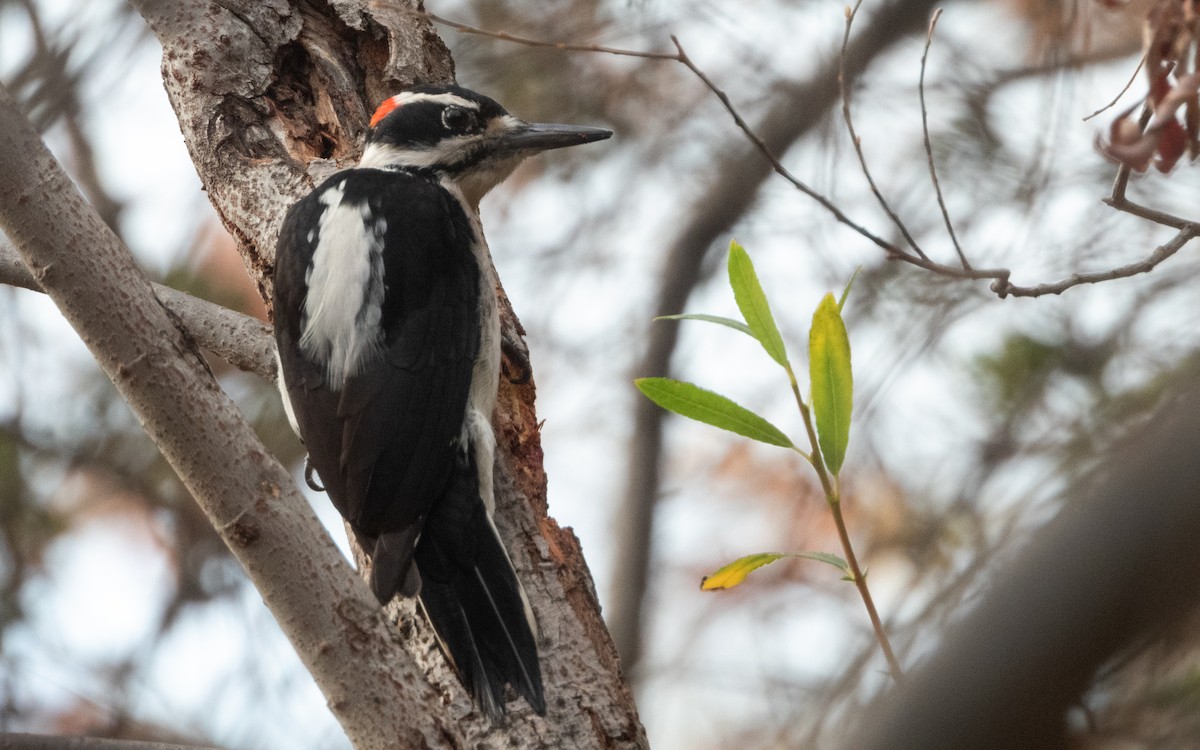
(378, 378)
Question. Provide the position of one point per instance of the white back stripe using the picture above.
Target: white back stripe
(344, 304)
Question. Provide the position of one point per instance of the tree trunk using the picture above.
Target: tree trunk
(271, 98)
(329, 616)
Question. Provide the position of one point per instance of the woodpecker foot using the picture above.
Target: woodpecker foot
(516, 359)
(310, 476)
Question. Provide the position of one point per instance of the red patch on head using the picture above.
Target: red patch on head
(384, 109)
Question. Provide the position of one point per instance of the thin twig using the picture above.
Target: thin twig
(683, 59)
(761, 145)
(851, 13)
(1119, 201)
(892, 252)
(1120, 93)
(937, 186)
(1000, 277)
(527, 42)
(1186, 234)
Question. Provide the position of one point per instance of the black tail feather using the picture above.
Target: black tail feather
(392, 569)
(471, 595)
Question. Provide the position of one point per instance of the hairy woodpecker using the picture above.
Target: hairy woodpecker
(389, 352)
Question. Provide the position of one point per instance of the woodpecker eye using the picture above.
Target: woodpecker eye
(456, 118)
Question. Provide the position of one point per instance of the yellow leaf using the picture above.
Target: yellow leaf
(728, 576)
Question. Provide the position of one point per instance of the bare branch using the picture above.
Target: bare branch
(242, 341)
(933, 176)
(844, 89)
(1000, 276)
(1001, 284)
(1120, 93)
(527, 42)
(1119, 201)
(322, 606)
(682, 58)
(53, 742)
(1186, 234)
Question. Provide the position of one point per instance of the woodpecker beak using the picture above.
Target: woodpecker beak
(540, 136)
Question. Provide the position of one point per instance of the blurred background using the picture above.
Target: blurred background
(122, 614)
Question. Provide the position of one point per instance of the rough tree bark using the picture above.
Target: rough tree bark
(326, 612)
(271, 98)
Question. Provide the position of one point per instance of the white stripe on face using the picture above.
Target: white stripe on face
(446, 152)
(408, 97)
(385, 155)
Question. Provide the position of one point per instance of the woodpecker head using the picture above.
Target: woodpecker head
(462, 136)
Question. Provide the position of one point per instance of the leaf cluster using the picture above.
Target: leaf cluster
(829, 404)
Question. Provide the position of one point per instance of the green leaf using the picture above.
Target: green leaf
(829, 559)
(736, 325)
(692, 401)
(846, 291)
(832, 381)
(733, 574)
(752, 301)
(728, 576)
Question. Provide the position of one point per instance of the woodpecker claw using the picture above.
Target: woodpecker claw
(310, 476)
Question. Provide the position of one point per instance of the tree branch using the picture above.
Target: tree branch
(856, 141)
(54, 742)
(242, 341)
(281, 100)
(1186, 234)
(680, 56)
(324, 609)
(933, 175)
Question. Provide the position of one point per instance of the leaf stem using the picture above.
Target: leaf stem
(832, 492)
(894, 669)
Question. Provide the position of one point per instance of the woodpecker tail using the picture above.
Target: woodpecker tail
(473, 599)
(392, 569)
